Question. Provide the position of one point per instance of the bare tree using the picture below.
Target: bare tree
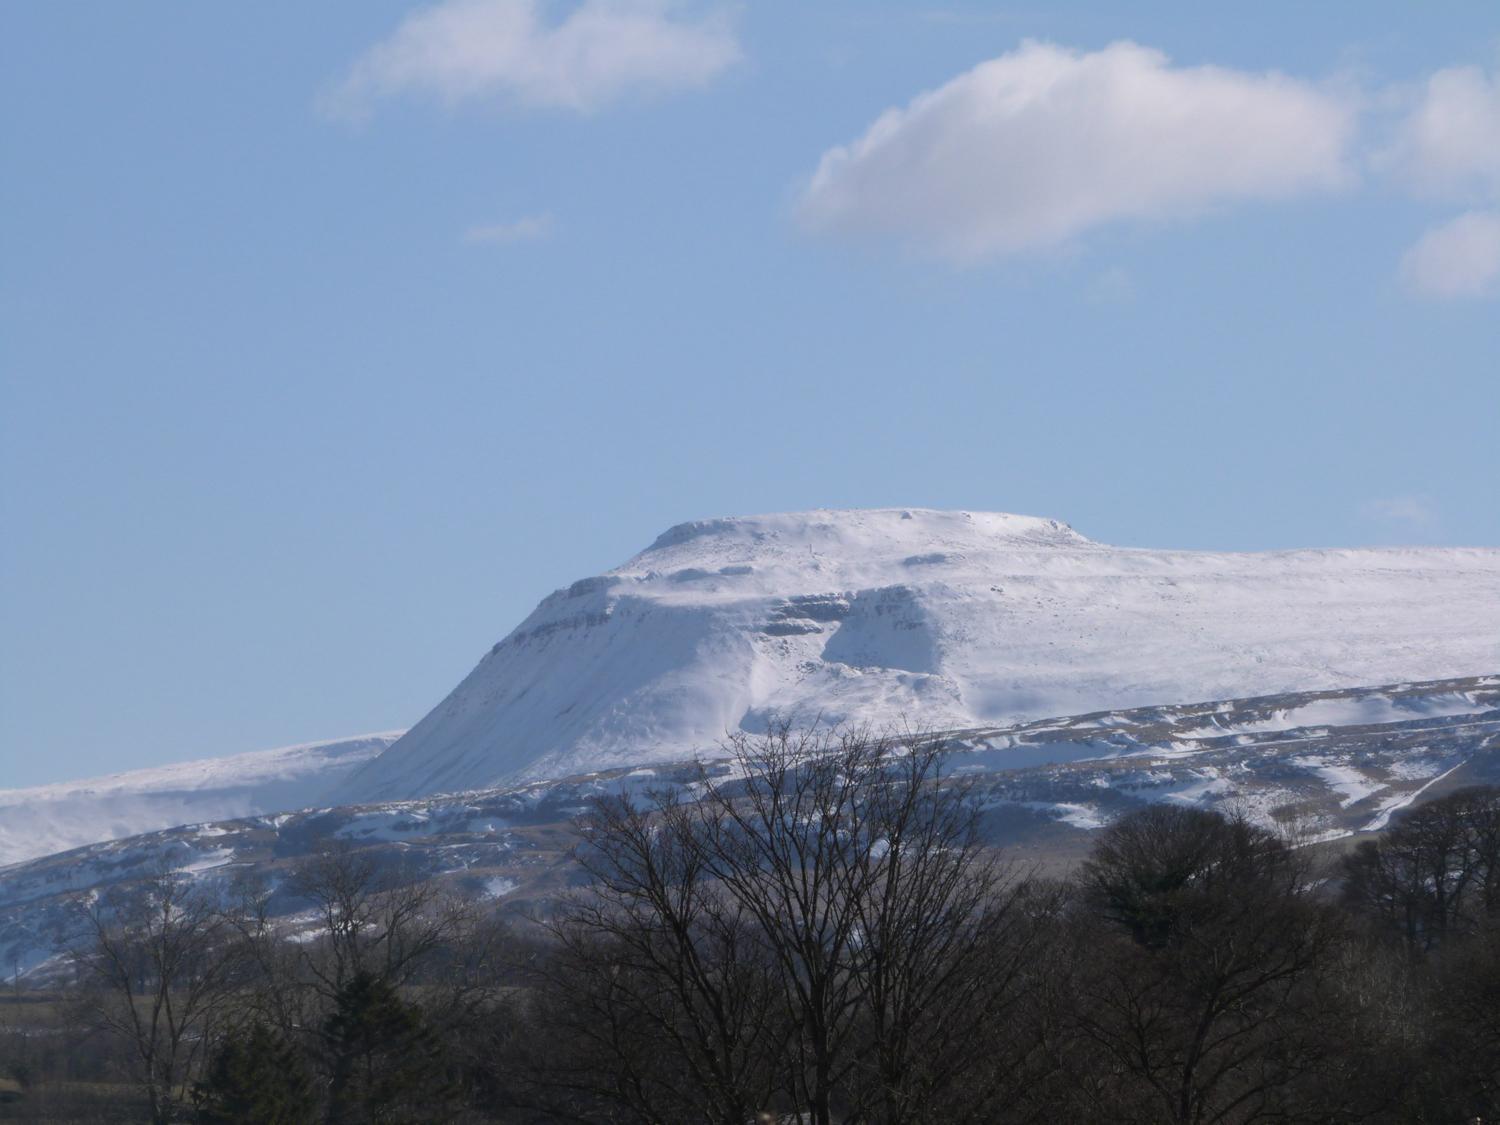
(1201, 986)
(159, 966)
(376, 922)
(667, 997)
(1435, 872)
(820, 926)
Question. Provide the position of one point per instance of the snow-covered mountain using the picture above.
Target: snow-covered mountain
(53, 818)
(937, 619)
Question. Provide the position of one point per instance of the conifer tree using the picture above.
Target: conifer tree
(255, 1078)
(384, 1063)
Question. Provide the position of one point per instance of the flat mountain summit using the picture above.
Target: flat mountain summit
(938, 619)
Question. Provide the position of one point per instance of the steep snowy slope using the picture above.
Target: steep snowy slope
(945, 619)
(53, 818)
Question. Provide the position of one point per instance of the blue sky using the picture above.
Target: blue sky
(334, 336)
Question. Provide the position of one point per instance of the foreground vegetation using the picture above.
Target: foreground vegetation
(825, 939)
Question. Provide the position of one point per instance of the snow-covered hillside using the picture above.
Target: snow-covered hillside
(53, 818)
(1315, 765)
(940, 619)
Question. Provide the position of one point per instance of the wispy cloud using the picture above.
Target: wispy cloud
(506, 51)
(1448, 147)
(526, 229)
(1461, 258)
(1036, 147)
(1410, 511)
(1448, 140)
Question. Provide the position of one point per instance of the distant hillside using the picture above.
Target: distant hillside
(51, 818)
(1317, 766)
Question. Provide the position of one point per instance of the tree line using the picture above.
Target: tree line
(818, 936)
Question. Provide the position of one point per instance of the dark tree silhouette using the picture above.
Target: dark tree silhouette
(255, 1077)
(1435, 872)
(384, 1064)
(161, 963)
(1201, 982)
(819, 932)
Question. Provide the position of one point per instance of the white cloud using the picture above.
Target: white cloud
(505, 51)
(526, 229)
(1412, 511)
(1448, 141)
(1037, 146)
(1461, 258)
(1448, 146)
